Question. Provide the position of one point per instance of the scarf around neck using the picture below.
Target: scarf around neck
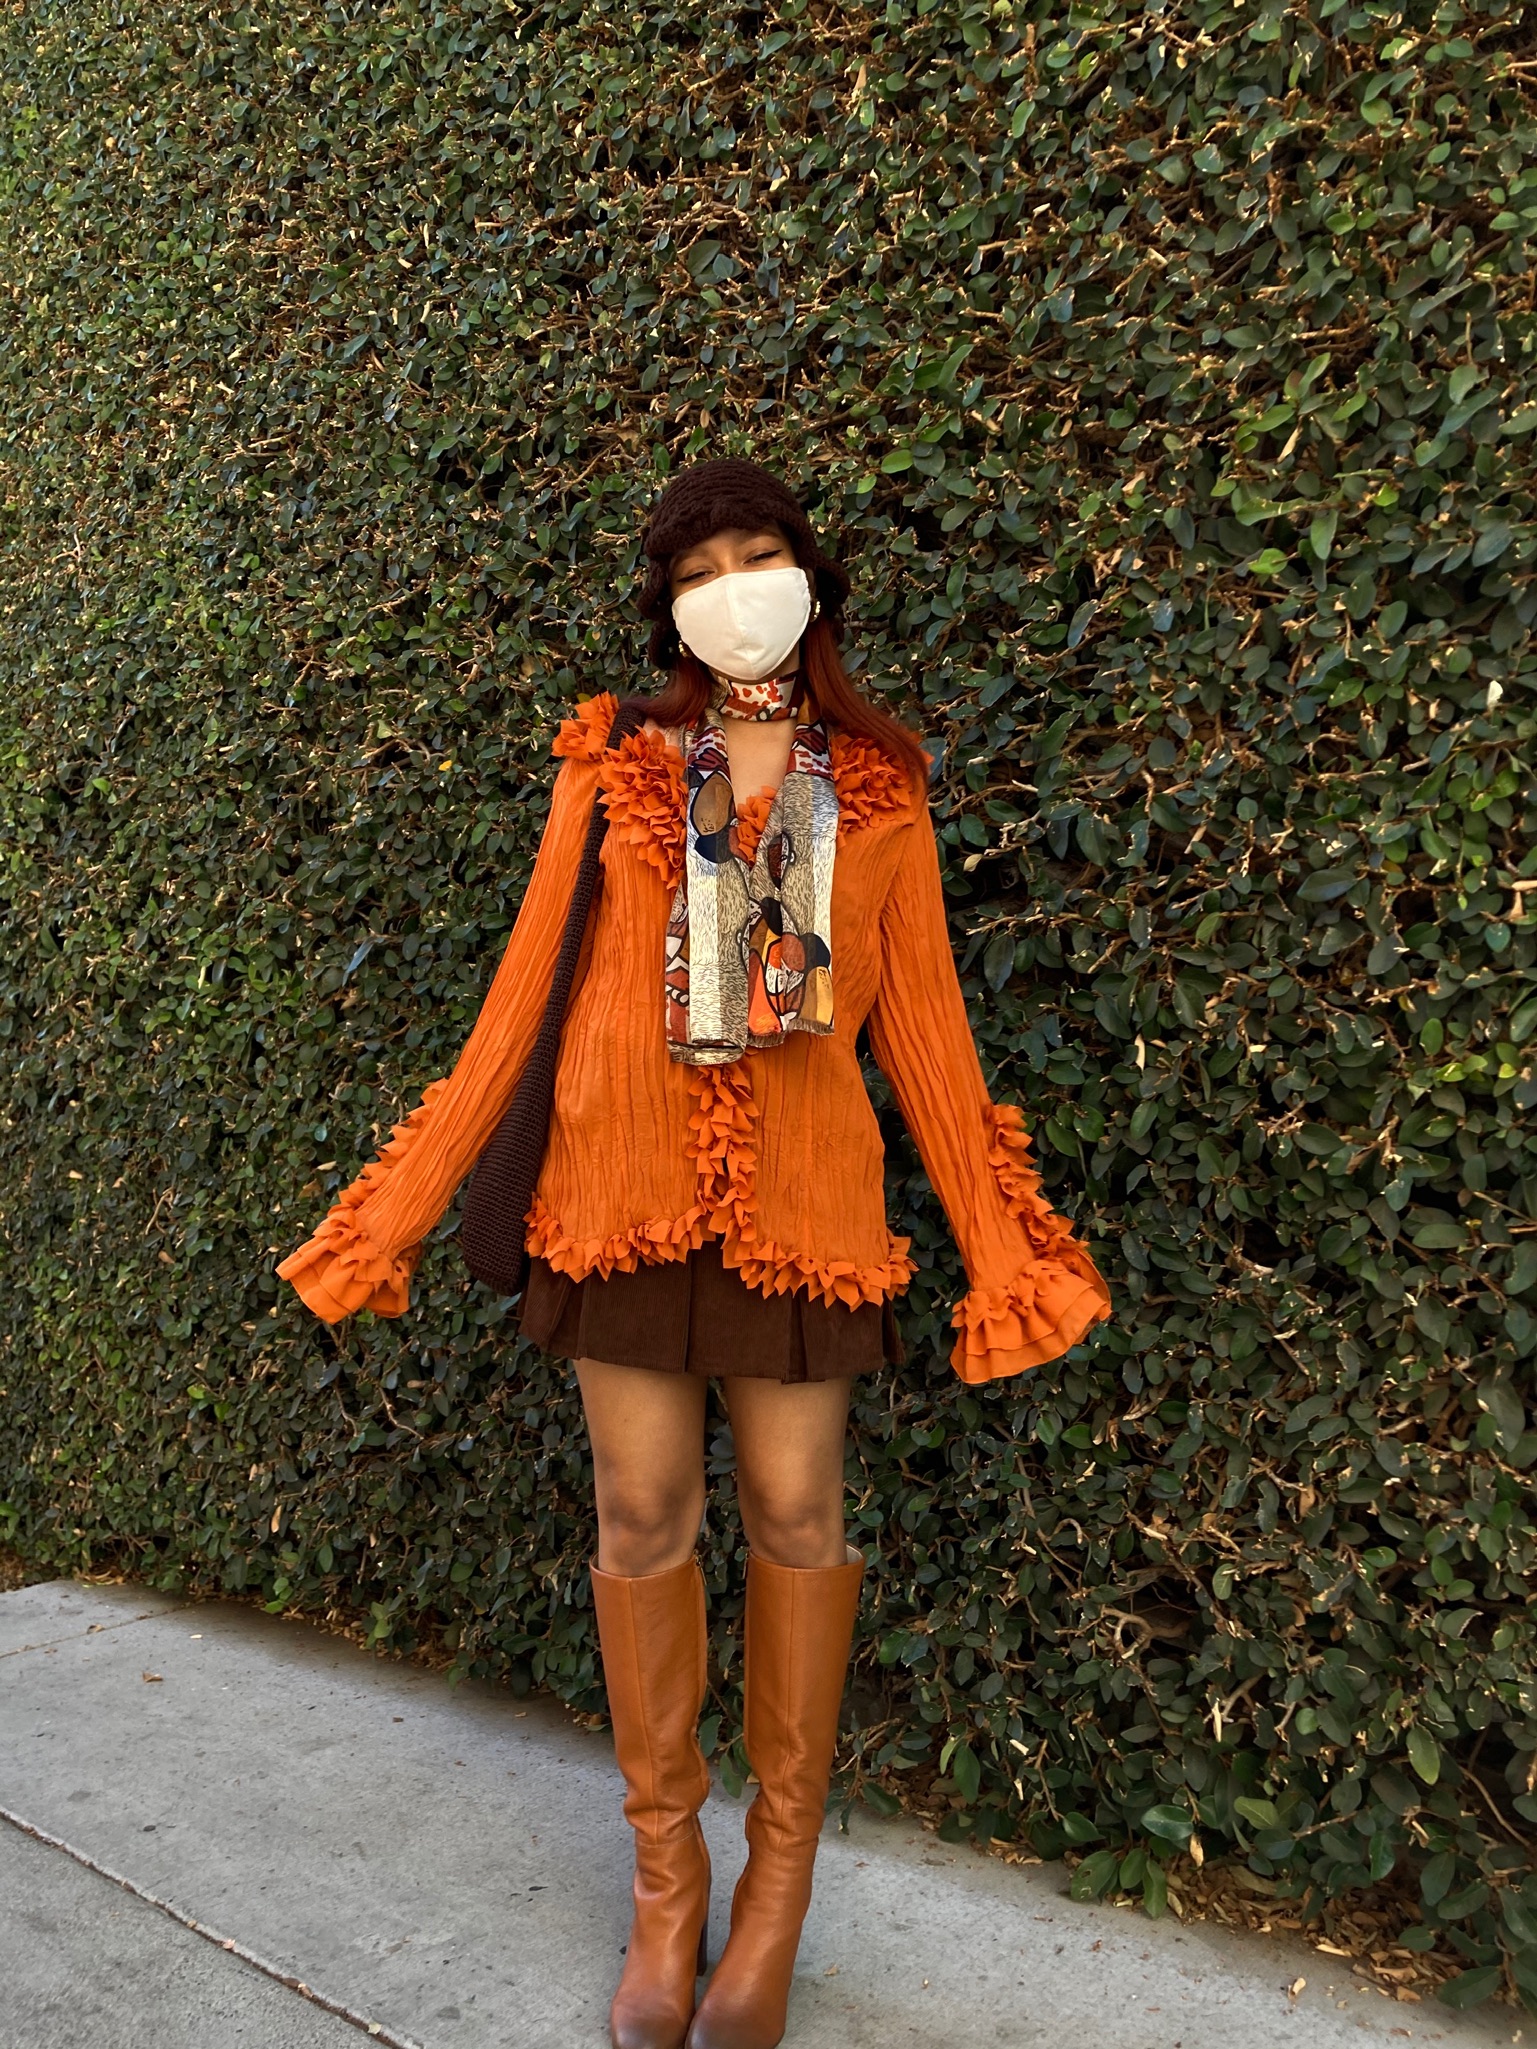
(748, 954)
(772, 698)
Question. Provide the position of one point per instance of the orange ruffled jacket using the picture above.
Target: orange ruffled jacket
(777, 1154)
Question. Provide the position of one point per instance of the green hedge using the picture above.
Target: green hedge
(1167, 373)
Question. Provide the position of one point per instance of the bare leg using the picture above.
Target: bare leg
(789, 1457)
(647, 1432)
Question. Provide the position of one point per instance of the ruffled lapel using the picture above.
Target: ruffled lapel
(872, 785)
(643, 788)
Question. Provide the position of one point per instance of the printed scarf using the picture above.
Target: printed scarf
(774, 697)
(748, 953)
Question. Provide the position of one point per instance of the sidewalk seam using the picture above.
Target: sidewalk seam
(97, 1629)
(374, 2030)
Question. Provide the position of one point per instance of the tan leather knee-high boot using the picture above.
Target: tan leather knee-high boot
(651, 1631)
(800, 1623)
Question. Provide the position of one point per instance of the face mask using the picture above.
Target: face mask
(746, 624)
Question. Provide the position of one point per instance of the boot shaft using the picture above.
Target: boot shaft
(800, 1625)
(653, 1638)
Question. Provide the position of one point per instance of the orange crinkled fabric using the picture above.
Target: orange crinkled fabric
(340, 1269)
(870, 781)
(752, 815)
(654, 1157)
(724, 1136)
(661, 1239)
(1041, 1314)
(1008, 1154)
(723, 1121)
(1060, 1290)
(643, 791)
(585, 737)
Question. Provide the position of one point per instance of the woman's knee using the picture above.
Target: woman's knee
(789, 1451)
(644, 1528)
(647, 1435)
(794, 1525)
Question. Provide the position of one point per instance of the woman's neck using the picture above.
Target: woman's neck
(758, 753)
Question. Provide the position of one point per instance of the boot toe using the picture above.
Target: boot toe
(719, 2031)
(642, 2027)
(732, 2021)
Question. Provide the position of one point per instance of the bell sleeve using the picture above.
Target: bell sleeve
(367, 1248)
(1034, 1290)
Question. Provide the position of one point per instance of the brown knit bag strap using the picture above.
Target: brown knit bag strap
(492, 1227)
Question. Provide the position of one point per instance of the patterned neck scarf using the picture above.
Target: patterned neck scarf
(772, 697)
(748, 954)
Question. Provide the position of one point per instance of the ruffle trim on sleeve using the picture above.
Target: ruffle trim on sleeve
(1008, 1154)
(1050, 1304)
(871, 783)
(340, 1269)
(643, 794)
(1041, 1314)
(586, 735)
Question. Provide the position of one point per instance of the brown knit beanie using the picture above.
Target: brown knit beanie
(699, 502)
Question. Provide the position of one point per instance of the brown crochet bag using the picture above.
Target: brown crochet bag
(492, 1227)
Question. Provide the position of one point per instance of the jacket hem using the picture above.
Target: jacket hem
(767, 1268)
(723, 1141)
(652, 1243)
(722, 1144)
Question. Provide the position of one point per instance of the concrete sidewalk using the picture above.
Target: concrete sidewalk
(450, 1869)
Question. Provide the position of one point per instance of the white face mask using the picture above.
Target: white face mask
(746, 624)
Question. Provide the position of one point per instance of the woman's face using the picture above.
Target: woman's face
(734, 548)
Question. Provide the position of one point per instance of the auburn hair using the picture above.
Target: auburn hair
(685, 696)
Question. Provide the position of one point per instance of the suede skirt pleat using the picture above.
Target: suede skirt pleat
(696, 1315)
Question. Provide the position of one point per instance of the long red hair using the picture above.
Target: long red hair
(686, 695)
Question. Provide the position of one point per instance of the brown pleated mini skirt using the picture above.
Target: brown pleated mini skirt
(696, 1315)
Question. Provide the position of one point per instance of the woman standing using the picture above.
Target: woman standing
(711, 1202)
